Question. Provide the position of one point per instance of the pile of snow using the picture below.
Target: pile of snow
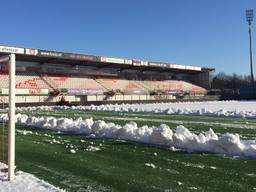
(72, 151)
(181, 138)
(92, 148)
(150, 165)
(211, 108)
(23, 182)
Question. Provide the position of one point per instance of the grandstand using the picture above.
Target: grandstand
(43, 76)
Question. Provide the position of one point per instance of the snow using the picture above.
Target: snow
(150, 165)
(192, 188)
(92, 148)
(181, 138)
(23, 182)
(72, 151)
(211, 108)
(240, 125)
(212, 167)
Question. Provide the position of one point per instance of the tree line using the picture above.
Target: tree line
(224, 81)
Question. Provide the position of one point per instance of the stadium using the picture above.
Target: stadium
(45, 76)
(127, 96)
(136, 137)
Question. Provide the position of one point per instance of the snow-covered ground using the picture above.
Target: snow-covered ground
(23, 182)
(210, 108)
(181, 138)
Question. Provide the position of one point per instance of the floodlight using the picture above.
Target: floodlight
(249, 16)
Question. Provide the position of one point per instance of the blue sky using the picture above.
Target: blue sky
(195, 32)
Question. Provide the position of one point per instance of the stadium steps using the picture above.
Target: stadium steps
(55, 91)
(51, 96)
(49, 82)
(4, 80)
(101, 84)
(143, 85)
(30, 80)
(107, 89)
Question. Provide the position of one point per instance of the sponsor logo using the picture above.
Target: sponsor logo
(175, 66)
(112, 60)
(103, 59)
(128, 61)
(33, 91)
(136, 62)
(6, 49)
(139, 63)
(144, 63)
(84, 91)
(157, 64)
(80, 57)
(193, 68)
(50, 53)
(31, 51)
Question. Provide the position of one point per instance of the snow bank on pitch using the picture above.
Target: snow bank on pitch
(181, 138)
(210, 108)
(23, 182)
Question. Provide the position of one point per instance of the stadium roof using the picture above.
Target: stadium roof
(57, 57)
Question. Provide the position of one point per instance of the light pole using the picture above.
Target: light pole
(249, 18)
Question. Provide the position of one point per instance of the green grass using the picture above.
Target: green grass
(120, 166)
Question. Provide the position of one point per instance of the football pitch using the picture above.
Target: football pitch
(80, 163)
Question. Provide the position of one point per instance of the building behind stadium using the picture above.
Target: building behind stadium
(44, 76)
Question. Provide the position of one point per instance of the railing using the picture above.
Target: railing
(49, 82)
(143, 85)
(55, 89)
(101, 84)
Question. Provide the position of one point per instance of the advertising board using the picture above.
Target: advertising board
(84, 91)
(128, 61)
(157, 64)
(7, 49)
(175, 66)
(46, 53)
(31, 51)
(135, 92)
(80, 57)
(137, 62)
(71, 56)
(27, 91)
(112, 60)
(193, 68)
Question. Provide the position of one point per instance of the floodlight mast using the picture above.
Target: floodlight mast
(249, 18)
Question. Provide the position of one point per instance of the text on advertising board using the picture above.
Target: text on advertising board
(6, 49)
(50, 53)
